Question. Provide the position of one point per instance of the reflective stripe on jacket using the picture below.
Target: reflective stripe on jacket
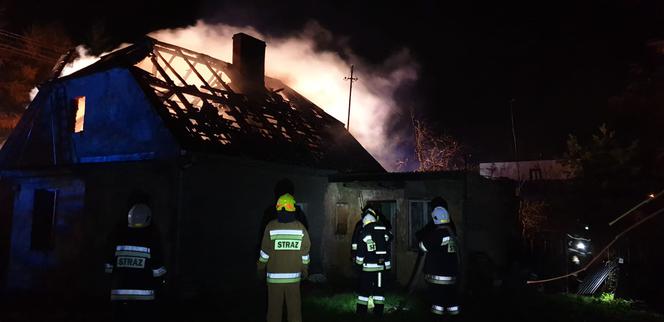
(284, 251)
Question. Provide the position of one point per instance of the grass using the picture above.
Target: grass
(323, 305)
(335, 303)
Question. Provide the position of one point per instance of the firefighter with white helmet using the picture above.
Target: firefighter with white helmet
(136, 265)
(441, 266)
(372, 256)
(284, 260)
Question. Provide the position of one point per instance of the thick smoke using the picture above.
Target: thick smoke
(319, 75)
(83, 60)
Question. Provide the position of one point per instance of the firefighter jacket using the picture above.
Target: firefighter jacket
(373, 248)
(355, 239)
(441, 265)
(285, 251)
(135, 263)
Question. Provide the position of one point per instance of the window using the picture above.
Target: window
(43, 219)
(341, 214)
(80, 114)
(302, 206)
(535, 174)
(420, 211)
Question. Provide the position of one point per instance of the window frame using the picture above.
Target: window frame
(79, 101)
(411, 231)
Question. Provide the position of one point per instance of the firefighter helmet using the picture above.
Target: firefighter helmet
(287, 202)
(368, 215)
(139, 216)
(440, 216)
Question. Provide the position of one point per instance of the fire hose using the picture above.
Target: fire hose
(410, 287)
(419, 263)
(615, 239)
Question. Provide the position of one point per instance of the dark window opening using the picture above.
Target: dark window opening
(43, 219)
(388, 208)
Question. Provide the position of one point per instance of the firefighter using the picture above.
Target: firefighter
(373, 259)
(284, 260)
(441, 266)
(136, 266)
(380, 219)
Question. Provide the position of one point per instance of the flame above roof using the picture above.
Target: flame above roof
(195, 95)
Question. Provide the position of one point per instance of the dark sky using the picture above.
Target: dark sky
(560, 60)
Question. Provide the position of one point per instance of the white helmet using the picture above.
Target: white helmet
(440, 216)
(368, 216)
(139, 216)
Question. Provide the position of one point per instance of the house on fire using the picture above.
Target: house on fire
(207, 140)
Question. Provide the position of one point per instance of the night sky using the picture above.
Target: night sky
(561, 61)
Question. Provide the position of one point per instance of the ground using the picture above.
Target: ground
(328, 303)
(322, 305)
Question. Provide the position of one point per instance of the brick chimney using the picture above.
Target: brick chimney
(248, 64)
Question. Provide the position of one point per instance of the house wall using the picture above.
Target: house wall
(484, 221)
(120, 125)
(336, 260)
(108, 189)
(337, 256)
(91, 204)
(51, 270)
(120, 122)
(492, 231)
(527, 170)
(6, 211)
(220, 226)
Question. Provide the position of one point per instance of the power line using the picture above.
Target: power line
(29, 48)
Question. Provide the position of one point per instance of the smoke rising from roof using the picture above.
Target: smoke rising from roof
(318, 74)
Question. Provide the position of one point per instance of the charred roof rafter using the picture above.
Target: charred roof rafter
(194, 95)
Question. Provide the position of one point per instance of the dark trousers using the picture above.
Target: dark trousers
(371, 285)
(130, 311)
(444, 299)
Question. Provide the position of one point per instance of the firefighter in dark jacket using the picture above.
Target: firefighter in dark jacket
(136, 266)
(380, 219)
(373, 259)
(441, 266)
(284, 260)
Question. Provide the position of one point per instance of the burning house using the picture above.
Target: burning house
(207, 140)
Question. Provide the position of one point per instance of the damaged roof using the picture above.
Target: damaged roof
(199, 99)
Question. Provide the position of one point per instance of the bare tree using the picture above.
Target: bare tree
(434, 151)
(533, 218)
(21, 71)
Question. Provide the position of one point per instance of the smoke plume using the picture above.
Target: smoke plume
(318, 74)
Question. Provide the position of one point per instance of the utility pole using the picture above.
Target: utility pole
(350, 93)
(516, 151)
